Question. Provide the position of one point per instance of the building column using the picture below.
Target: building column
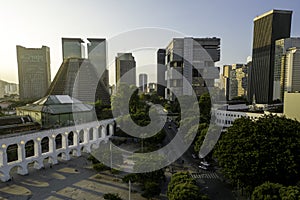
(3, 156)
(86, 136)
(21, 151)
(103, 130)
(111, 129)
(22, 170)
(37, 153)
(77, 144)
(95, 133)
(52, 150)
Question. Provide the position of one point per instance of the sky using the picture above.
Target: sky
(33, 23)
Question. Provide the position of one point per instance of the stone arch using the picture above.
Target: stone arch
(81, 136)
(12, 153)
(50, 160)
(29, 148)
(71, 138)
(20, 169)
(45, 145)
(63, 155)
(58, 141)
(33, 164)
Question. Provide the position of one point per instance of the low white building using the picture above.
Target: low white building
(225, 118)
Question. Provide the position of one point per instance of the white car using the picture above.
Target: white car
(202, 167)
(205, 163)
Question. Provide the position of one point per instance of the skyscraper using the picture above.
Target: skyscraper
(143, 82)
(190, 62)
(292, 70)
(125, 69)
(161, 71)
(97, 56)
(72, 48)
(77, 78)
(34, 72)
(281, 48)
(268, 28)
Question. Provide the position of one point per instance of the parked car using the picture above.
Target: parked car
(205, 163)
(202, 167)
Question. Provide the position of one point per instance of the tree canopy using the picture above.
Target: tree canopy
(275, 191)
(182, 186)
(252, 152)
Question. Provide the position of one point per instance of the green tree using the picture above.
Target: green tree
(267, 191)
(185, 191)
(151, 189)
(182, 186)
(253, 152)
(290, 193)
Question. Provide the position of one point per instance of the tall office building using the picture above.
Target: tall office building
(235, 80)
(143, 82)
(226, 79)
(281, 48)
(268, 28)
(161, 72)
(33, 71)
(72, 48)
(125, 69)
(190, 66)
(77, 78)
(97, 55)
(292, 70)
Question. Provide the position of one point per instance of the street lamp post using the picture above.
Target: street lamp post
(129, 189)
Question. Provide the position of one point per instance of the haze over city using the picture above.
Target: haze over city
(35, 23)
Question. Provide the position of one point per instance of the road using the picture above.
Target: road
(210, 181)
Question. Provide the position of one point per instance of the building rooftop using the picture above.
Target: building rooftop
(273, 11)
(72, 40)
(57, 104)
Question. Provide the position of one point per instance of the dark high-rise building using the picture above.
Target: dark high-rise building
(97, 55)
(161, 70)
(125, 69)
(268, 28)
(34, 72)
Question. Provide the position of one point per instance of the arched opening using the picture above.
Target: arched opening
(81, 136)
(73, 152)
(45, 145)
(31, 164)
(12, 153)
(58, 141)
(107, 130)
(48, 162)
(29, 149)
(71, 139)
(91, 135)
(14, 170)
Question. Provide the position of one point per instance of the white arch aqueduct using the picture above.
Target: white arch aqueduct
(63, 141)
